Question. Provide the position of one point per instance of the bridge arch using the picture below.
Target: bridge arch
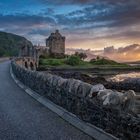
(26, 65)
(32, 65)
(27, 62)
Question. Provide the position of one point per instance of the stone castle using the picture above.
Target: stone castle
(56, 44)
(55, 47)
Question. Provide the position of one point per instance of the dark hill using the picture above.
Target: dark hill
(10, 44)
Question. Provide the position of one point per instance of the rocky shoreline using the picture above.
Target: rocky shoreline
(130, 83)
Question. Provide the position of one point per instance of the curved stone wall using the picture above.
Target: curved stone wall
(27, 62)
(81, 99)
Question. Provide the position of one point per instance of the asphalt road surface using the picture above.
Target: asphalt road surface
(23, 118)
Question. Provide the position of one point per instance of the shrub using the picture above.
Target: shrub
(81, 55)
(73, 60)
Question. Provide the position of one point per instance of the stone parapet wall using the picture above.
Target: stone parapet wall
(75, 96)
(27, 62)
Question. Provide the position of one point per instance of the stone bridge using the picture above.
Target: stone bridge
(24, 118)
(27, 62)
(81, 99)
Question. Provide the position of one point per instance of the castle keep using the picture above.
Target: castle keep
(56, 44)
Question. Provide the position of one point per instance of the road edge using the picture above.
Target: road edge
(87, 128)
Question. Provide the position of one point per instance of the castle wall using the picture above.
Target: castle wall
(26, 51)
(57, 46)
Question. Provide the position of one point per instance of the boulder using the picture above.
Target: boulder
(95, 89)
(115, 99)
(84, 89)
(76, 87)
(61, 81)
(70, 84)
(129, 100)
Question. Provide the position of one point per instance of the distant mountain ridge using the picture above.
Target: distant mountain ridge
(134, 62)
(10, 44)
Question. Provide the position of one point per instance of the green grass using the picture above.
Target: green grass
(103, 61)
(51, 62)
(63, 63)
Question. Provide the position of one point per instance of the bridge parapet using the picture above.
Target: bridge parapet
(81, 99)
(26, 62)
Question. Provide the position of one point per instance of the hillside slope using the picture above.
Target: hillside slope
(10, 44)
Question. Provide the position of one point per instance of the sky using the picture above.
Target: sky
(87, 24)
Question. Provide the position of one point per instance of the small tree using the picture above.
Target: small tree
(98, 57)
(73, 60)
(81, 55)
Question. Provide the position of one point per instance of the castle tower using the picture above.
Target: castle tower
(56, 44)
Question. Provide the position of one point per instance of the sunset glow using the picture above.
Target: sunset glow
(87, 24)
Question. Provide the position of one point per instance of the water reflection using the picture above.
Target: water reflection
(122, 77)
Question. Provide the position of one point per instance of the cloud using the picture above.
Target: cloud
(26, 25)
(123, 54)
(135, 48)
(103, 20)
(64, 2)
(96, 23)
(120, 14)
(25, 20)
(43, 32)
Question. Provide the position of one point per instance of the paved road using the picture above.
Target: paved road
(23, 118)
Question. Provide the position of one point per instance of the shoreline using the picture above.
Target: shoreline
(94, 78)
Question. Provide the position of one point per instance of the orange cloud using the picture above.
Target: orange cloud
(123, 54)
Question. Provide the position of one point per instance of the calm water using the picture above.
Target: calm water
(122, 77)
